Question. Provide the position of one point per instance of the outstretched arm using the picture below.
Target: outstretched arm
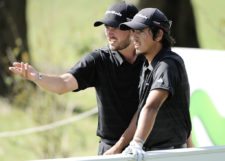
(54, 83)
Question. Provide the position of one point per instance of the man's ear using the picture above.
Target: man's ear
(159, 35)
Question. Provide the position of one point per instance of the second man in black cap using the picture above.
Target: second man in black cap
(163, 115)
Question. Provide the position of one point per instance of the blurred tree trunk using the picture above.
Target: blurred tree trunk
(181, 13)
(13, 39)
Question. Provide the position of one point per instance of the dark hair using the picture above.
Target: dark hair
(167, 39)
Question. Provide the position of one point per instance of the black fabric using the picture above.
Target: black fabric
(148, 17)
(103, 147)
(116, 83)
(117, 14)
(166, 148)
(173, 124)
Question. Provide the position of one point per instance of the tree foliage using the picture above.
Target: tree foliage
(181, 13)
(13, 40)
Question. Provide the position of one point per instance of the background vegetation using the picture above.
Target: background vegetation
(59, 33)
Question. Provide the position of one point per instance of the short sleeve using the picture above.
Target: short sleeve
(165, 76)
(85, 71)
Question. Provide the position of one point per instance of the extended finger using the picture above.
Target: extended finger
(26, 70)
(16, 64)
(15, 70)
(23, 72)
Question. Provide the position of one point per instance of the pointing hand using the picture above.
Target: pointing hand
(24, 70)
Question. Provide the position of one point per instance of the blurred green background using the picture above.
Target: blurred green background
(59, 33)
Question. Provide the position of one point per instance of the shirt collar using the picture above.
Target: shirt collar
(147, 66)
(121, 59)
(159, 56)
(118, 56)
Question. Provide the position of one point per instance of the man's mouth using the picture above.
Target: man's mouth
(112, 40)
(136, 44)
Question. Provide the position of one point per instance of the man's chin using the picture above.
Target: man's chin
(112, 47)
(138, 52)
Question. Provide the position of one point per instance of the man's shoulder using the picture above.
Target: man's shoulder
(168, 59)
(104, 49)
(172, 56)
(101, 52)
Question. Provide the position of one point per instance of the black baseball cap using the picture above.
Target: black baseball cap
(118, 13)
(148, 17)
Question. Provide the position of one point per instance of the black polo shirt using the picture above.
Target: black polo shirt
(116, 83)
(173, 124)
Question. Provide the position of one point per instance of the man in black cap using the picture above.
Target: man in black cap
(113, 71)
(163, 115)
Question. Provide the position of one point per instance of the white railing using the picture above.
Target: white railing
(216, 153)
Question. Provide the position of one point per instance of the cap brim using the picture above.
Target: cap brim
(106, 22)
(132, 25)
(98, 23)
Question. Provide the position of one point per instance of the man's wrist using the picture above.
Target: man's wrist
(136, 144)
(120, 144)
(39, 76)
(139, 141)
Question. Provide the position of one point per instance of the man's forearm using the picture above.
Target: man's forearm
(125, 138)
(57, 84)
(128, 134)
(190, 143)
(145, 123)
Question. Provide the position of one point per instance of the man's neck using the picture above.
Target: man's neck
(129, 54)
(153, 52)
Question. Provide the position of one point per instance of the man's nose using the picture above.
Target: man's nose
(110, 31)
(134, 34)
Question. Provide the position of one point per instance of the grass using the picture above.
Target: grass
(75, 139)
(60, 32)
